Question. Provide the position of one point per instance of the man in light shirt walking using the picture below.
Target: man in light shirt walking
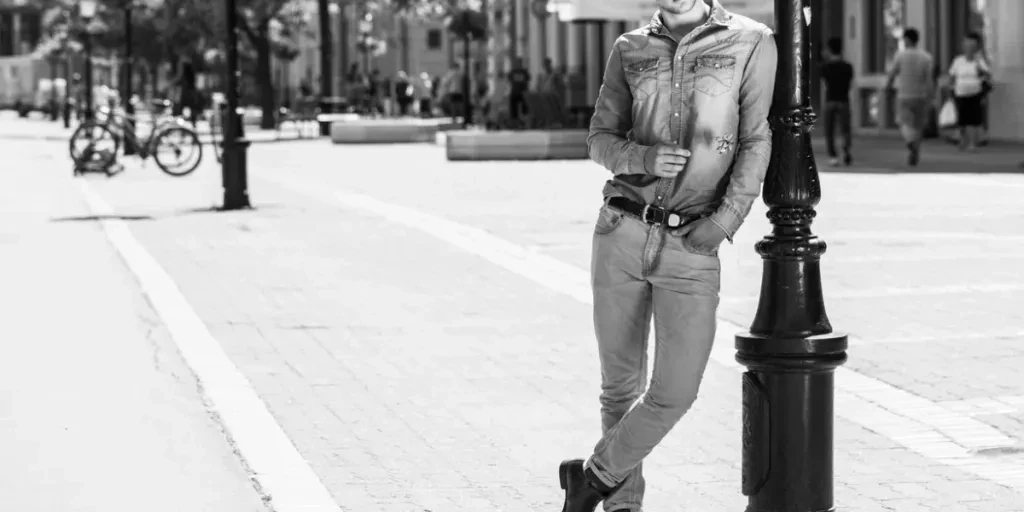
(913, 71)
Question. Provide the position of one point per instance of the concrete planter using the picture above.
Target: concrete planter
(517, 145)
(368, 131)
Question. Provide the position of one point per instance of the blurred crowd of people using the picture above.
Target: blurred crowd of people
(424, 95)
(958, 104)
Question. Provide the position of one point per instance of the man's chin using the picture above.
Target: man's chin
(677, 6)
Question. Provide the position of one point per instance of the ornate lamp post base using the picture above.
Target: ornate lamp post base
(788, 415)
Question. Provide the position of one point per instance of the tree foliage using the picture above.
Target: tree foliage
(162, 30)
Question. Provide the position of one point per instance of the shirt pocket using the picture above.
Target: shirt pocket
(714, 74)
(642, 76)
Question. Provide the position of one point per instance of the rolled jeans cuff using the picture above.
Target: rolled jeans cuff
(605, 477)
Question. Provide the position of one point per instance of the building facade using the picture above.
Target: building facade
(411, 45)
(872, 36)
(22, 71)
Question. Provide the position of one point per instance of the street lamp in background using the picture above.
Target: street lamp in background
(468, 25)
(365, 29)
(234, 160)
(327, 9)
(127, 73)
(791, 353)
(87, 11)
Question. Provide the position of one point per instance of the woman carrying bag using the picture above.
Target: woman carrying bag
(971, 81)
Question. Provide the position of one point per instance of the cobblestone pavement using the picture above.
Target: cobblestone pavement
(97, 410)
(419, 364)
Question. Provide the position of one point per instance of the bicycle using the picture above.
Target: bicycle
(102, 137)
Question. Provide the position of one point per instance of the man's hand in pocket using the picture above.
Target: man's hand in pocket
(704, 233)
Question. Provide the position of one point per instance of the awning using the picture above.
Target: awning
(612, 10)
(642, 10)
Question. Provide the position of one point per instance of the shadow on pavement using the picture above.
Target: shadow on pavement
(924, 168)
(92, 218)
(219, 209)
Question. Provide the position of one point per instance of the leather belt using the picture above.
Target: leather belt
(651, 214)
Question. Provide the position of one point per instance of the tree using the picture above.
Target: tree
(163, 30)
(270, 26)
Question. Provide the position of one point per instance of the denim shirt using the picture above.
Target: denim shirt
(710, 93)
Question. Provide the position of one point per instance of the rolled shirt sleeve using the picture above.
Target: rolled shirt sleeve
(608, 143)
(755, 137)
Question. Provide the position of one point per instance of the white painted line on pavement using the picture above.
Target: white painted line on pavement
(958, 337)
(910, 420)
(913, 257)
(903, 236)
(966, 180)
(280, 470)
(893, 291)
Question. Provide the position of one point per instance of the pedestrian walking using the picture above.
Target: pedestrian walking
(681, 121)
(971, 79)
(450, 91)
(404, 93)
(425, 95)
(837, 74)
(187, 92)
(913, 72)
(519, 83)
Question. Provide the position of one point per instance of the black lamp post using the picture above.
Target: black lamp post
(467, 93)
(325, 9)
(468, 25)
(790, 352)
(234, 161)
(127, 74)
(87, 10)
(365, 29)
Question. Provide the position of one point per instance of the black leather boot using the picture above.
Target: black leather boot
(583, 490)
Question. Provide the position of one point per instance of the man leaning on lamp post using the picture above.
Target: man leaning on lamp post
(681, 121)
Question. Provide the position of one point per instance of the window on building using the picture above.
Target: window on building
(435, 39)
(952, 22)
(31, 28)
(6, 34)
(885, 23)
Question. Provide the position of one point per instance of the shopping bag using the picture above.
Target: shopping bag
(947, 116)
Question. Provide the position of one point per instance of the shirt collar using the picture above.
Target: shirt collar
(719, 16)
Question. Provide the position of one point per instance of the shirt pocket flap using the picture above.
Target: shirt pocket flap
(715, 62)
(641, 65)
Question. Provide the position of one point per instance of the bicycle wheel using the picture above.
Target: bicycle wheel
(177, 150)
(94, 145)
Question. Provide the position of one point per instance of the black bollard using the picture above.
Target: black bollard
(790, 352)
(234, 170)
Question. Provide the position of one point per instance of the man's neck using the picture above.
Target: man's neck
(682, 23)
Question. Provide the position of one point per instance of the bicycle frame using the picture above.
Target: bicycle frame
(117, 123)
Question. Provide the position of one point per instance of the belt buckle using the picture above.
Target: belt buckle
(672, 220)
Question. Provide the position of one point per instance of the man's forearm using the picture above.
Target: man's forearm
(744, 187)
(616, 153)
(755, 140)
(613, 119)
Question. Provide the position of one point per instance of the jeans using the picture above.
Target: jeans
(639, 271)
(837, 113)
